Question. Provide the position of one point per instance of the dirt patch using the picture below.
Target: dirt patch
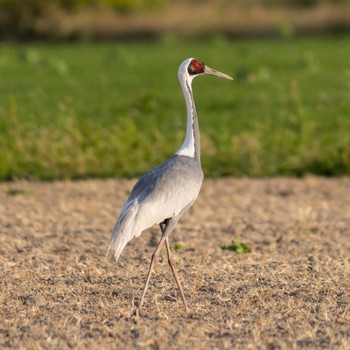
(291, 291)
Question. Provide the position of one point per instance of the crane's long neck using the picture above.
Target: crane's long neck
(191, 145)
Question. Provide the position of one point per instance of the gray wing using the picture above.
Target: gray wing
(161, 193)
(147, 182)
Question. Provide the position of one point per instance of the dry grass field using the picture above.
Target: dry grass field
(292, 291)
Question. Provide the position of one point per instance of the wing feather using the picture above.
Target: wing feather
(123, 230)
(164, 192)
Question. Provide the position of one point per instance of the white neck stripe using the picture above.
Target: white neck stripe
(188, 147)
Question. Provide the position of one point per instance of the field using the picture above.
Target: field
(291, 291)
(77, 110)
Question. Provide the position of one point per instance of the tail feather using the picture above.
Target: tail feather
(123, 231)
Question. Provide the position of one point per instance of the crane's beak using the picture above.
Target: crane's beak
(211, 71)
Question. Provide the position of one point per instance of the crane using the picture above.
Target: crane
(165, 193)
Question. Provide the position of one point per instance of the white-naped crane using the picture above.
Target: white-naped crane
(165, 193)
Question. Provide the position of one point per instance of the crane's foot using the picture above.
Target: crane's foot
(138, 312)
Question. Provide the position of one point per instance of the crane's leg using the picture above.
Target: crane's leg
(169, 225)
(151, 266)
(172, 266)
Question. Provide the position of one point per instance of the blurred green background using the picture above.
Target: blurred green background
(89, 87)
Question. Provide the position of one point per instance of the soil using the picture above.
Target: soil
(291, 291)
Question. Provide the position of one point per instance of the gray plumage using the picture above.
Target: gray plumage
(164, 192)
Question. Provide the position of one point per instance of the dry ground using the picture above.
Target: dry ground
(57, 290)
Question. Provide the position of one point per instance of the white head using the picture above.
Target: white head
(191, 68)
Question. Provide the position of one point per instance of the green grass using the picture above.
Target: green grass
(237, 246)
(116, 109)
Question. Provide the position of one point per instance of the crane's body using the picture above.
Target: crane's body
(164, 194)
(156, 190)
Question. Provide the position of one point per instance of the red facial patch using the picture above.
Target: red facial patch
(196, 67)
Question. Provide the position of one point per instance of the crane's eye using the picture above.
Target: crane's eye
(196, 67)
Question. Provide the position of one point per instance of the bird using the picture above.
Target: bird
(166, 192)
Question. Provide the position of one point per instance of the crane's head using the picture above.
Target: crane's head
(193, 67)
